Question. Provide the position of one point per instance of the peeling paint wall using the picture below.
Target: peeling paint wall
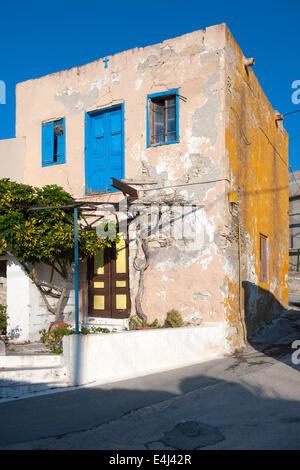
(192, 63)
(257, 154)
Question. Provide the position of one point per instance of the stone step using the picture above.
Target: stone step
(14, 391)
(30, 375)
(28, 369)
(118, 324)
(38, 360)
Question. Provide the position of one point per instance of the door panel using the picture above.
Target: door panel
(99, 280)
(120, 296)
(104, 153)
(115, 146)
(109, 295)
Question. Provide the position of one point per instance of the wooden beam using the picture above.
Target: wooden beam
(125, 188)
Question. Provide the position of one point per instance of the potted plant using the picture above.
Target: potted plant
(3, 326)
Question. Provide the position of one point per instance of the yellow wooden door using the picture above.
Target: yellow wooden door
(109, 295)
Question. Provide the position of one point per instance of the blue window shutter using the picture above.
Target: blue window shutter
(61, 156)
(47, 143)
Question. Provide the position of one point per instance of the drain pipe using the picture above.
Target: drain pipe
(240, 283)
(76, 270)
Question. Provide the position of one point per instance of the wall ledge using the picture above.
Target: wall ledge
(106, 358)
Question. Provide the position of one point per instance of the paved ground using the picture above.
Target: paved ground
(294, 300)
(250, 401)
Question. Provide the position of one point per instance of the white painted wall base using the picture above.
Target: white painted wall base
(105, 358)
(118, 324)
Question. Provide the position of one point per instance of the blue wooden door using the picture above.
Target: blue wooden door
(104, 153)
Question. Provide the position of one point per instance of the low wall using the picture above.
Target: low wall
(105, 358)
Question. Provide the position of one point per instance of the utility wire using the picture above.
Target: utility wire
(185, 184)
(292, 112)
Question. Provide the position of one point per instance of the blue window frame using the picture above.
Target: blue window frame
(104, 148)
(163, 118)
(53, 142)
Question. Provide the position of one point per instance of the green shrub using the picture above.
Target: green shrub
(53, 338)
(174, 319)
(3, 320)
(154, 324)
(98, 329)
(94, 329)
(135, 323)
(84, 331)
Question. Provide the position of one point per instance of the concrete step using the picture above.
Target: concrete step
(28, 361)
(34, 360)
(26, 371)
(19, 382)
(15, 391)
(22, 349)
(118, 324)
(31, 375)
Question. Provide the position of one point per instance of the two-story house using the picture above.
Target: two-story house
(187, 124)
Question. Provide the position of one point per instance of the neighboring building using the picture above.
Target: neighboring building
(12, 165)
(12, 159)
(187, 124)
(294, 195)
(294, 247)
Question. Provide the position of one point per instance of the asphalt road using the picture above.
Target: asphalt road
(251, 399)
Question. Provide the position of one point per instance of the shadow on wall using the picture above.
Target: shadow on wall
(260, 307)
(14, 333)
(271, 328)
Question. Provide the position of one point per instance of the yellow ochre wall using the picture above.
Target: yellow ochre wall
(257, 160)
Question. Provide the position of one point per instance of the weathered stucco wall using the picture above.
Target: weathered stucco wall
(257, 153)
(12, 159)
(191, 63)
(182, 274)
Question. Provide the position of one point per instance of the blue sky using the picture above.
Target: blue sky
(37, 38)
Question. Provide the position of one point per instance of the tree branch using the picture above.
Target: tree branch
(141, 267)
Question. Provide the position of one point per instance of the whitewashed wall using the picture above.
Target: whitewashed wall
(105, 358)
(26, 309)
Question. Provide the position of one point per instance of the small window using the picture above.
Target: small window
(53, 142)
(263, 249)
(163, 118)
